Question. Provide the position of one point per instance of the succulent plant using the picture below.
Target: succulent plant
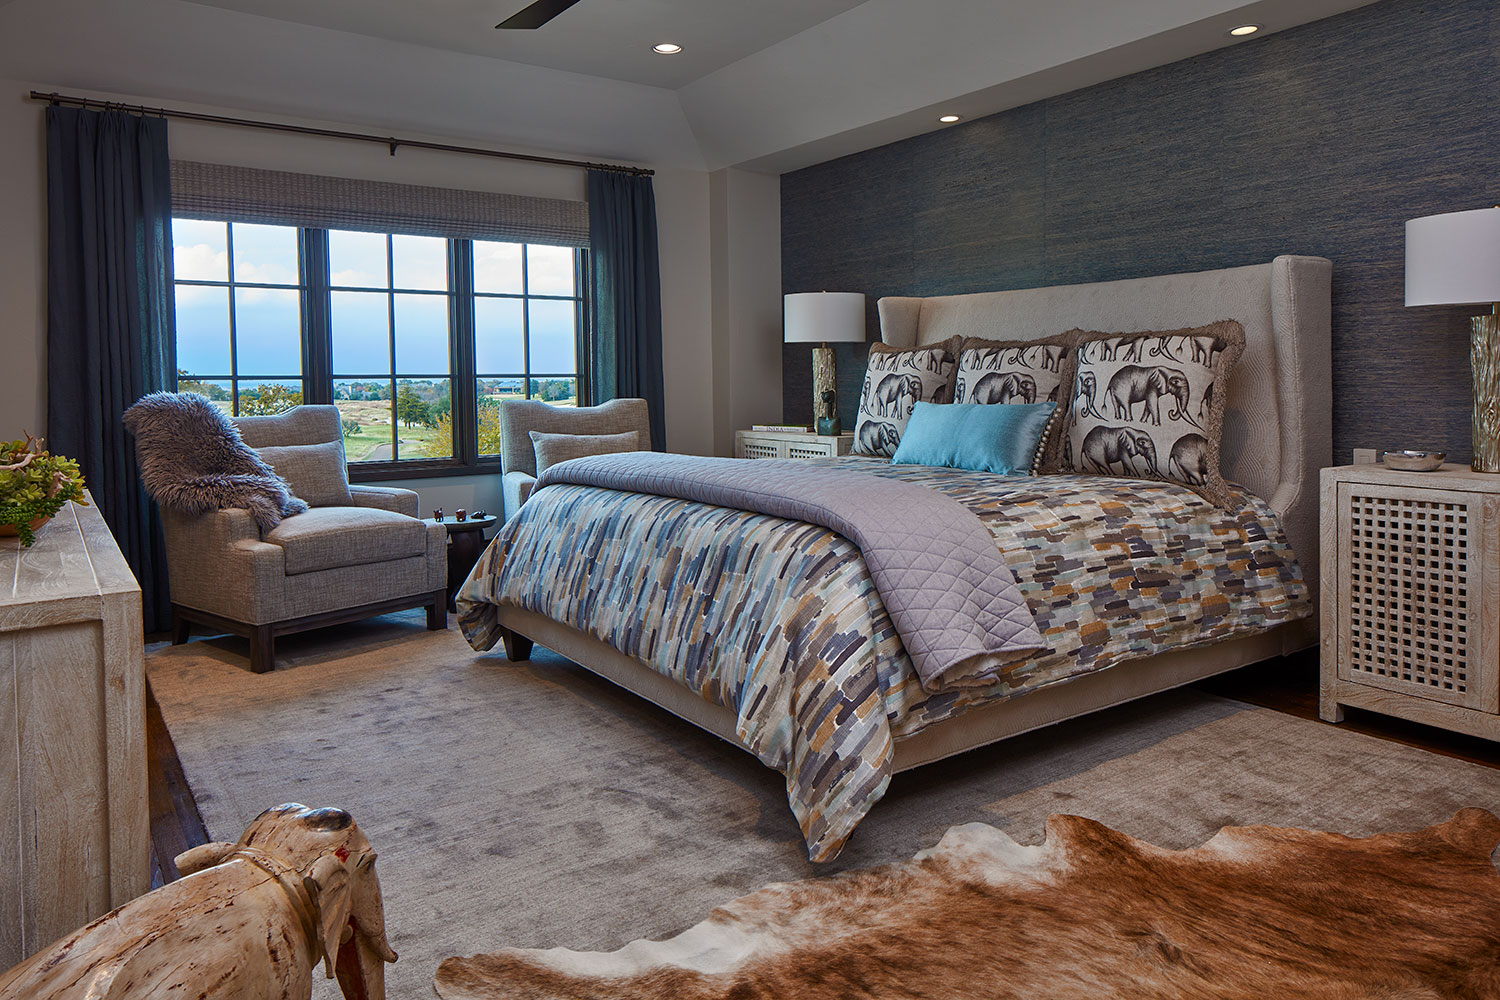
(34, 485)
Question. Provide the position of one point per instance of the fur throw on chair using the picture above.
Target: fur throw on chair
(193, 460)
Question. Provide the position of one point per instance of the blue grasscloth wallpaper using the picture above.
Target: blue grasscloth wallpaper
(1323, 140)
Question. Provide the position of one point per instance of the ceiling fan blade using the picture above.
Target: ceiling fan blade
(537, 14)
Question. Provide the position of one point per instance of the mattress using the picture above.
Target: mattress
(779, 622)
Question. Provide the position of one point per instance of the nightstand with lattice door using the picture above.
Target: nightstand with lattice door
(790, 444)
(1411, 595)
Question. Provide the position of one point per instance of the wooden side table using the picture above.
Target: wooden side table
(790, 444)
(465, 544)
(1411, 596)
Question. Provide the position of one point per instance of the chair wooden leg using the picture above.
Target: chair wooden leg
(181, 628)
(262, 649)
(437, 611)
(517, 646)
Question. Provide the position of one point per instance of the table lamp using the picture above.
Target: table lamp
(824, 318)
(1453, 260)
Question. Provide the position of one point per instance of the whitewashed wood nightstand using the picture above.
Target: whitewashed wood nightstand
(1411, 596)
(790, 444)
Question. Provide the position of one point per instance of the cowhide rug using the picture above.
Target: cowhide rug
(1255, 912)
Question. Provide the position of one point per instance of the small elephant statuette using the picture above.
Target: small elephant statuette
(247, 921)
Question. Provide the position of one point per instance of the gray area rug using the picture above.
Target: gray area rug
(535, 805)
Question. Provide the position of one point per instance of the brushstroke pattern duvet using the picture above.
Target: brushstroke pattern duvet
(779, 622)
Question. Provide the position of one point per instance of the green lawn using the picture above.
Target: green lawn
(374, 419)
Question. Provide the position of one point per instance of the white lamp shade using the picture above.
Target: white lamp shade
(816, 317)
(1453, 259)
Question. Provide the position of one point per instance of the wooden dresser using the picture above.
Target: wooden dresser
(74, 824)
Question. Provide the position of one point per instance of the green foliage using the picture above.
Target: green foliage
(441, 445)
(351, 427)
(34, 485)
(186, 383)
(411, 410)
(265, 400)
(553, 390)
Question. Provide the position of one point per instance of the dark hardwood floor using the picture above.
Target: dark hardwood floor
(175, 822)
(1288, 685)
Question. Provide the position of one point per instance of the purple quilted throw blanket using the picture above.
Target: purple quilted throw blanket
(949, 593)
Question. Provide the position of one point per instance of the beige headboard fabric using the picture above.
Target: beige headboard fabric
(1278, 422)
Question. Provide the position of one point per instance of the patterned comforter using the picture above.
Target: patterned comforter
(779, 622)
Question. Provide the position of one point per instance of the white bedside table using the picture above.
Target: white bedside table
(790, 444)
(1411, 596)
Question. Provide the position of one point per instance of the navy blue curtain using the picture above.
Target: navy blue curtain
(110, 323)
(627, 359)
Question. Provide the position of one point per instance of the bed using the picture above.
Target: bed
(1276, 438)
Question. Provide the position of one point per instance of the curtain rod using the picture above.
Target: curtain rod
(390, 142)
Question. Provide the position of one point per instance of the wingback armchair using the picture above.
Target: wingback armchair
(338, 562)
(519, 417)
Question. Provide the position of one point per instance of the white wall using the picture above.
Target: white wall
(682, 214)
(745, 233)
(23, 287)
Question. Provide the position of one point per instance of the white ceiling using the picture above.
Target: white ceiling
(607, 38)
(778, 85)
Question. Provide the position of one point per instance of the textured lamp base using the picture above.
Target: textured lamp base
(823, 381)
(1484, 358)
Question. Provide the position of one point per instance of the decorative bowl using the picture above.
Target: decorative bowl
(1413, 461)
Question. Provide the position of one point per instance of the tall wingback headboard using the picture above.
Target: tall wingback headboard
(1278, 420)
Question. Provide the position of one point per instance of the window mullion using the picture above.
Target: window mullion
(390, 319)
(317, 312)
(462, 393)
(582, 278)
(526, 319)
(234, 360)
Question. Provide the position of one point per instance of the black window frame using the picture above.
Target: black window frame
(231, 287)
(315, 288)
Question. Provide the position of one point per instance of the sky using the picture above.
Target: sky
(267, 319)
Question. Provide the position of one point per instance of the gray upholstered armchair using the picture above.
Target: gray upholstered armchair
(358, 551)
(519, 417)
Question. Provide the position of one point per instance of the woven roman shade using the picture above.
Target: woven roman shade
(247, 194)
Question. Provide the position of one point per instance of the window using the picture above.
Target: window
(239, 305)
(392, 365)
(527, 303)
(415, 339)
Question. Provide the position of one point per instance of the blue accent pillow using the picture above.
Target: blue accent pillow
(983, 437)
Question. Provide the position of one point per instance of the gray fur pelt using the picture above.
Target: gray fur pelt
(193, 460)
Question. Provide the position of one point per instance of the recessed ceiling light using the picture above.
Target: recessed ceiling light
(666, 48)
(949, 119)
(1244, 29)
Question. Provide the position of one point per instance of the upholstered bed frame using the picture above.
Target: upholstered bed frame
(1277, 431)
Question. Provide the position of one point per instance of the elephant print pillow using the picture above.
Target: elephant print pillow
(1150, 406)
(1012, 371)
(895, 381)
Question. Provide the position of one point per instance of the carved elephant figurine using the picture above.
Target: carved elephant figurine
(896, 395)
(1003, 387)
(247, 921)
(1105, 448)
(876, 437)
(1135, 384)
